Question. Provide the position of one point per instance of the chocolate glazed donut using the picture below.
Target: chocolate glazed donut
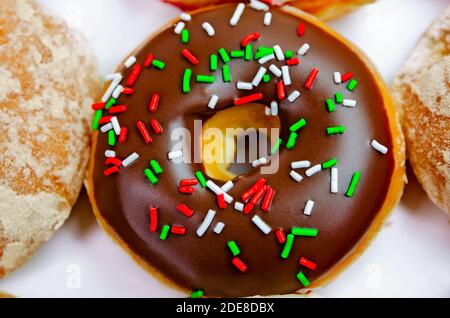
(244, 259)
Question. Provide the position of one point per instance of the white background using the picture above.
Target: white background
(409, 258)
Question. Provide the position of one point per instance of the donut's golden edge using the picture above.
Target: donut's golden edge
(393, 195)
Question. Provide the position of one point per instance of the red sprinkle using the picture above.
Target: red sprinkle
(259, 195)
(301, 29)
(249, 38)
(98, 106)
(189, 56)
(248, 99)
(113, 161)
(149, 60)
(187, 211)
(267, 202)
(156, 126)
(281, 90)
(307, 263)
(104, 120)
(144, 132)
(186, 190)
(110, 171)
(123, 134)
(188, 182)
(253, 189)
(134, 75)
(154, 103)
(311, 78)
(128, 91)
(153, 220)
(293, 61)
(118, 109)
(248, 208)
(347, 76)
(221, 201)
(178, 230)
(239, 264)
(281, 236)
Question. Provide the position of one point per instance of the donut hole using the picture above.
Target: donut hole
(232, 139)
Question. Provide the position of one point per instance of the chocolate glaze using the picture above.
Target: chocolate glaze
(205, 263)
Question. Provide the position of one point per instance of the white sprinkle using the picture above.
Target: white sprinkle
(266, 59)
(303, 49)
(274, 108)
(337, 77)
(313, 170)
(267, 18)
(268, 111)
(130, 61)
(379, 147)
(117, 92)
(266, 229)
(227, 186)
(237, 14)
(258, 5)
(112, 76)
(297, 177)
(278, 52)
(175, 155)
(293, 96)
(349, 103)
(110, 154)
(244, 86)
(308, 208)
(213, 101)
(206, 223)
(106, 128)
(219, 228)
(218, 190)
(208, 28)
(130, 160)
(114, 83)
(116, 125)
(334, 180)
(185, 17)
(239, 206)
(259, 76)
(260, 162)
(179, 27)
(286, 76)
(275, 70)
(300, 164)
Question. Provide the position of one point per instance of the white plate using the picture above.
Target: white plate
(409, 258)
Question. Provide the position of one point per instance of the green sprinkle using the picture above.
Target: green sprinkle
(292, 141)
(185, 36)
(288, 54)
(98, 115)
(159, 64)
(335, 130)
(237, 54)
(304, 231)
(226, 73)
(330, 105)
(156, 167)
(329, 164)
(112, 101)
(287, 246)
(213, 62)
(164, 232)
(263, 51)
(150, 176)
(187, 81)
(339, 98)
(197, 294)
(298, 125)
(201, 179)
(352, 187)
(224, 55)
(248, 52)
(205, 79)
(302, 278)
(234, 248)
(277, 146)
(266, 78)
(352, 85)
(111, 138)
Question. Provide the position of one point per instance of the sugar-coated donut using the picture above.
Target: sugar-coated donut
(340, 153)
(422, 91)
(48, 81)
